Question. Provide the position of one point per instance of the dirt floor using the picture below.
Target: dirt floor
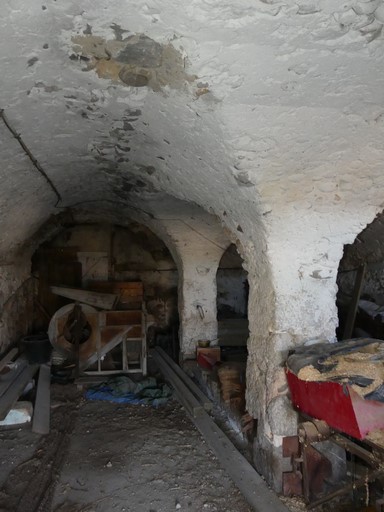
(102, 457)
(105, 457)
(141, 459)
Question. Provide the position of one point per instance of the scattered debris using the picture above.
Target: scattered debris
(30, 484)
(158, 460)
(20, 413)
(207, 357)
(13, 383)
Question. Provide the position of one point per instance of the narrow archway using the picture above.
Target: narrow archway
(360, 298)
(232, 305)
(232, 329)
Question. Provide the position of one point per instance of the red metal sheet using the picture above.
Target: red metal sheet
(339, 405)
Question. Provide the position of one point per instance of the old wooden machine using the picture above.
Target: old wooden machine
(107, 337)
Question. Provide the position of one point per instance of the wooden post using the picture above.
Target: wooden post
(348, 330)
(42, 413)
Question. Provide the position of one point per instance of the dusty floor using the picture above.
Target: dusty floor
(102, 457)
(141, 459)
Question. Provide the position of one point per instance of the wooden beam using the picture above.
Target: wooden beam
(348, 330)
(253, 487)
(96, 299)
(7, 382)
(103, 350)
(201, 397)
(245, 477)
(14, 391)
(184, 395)
(8, 358)
(42, 412)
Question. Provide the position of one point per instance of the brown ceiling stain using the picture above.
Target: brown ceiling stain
(136, 61)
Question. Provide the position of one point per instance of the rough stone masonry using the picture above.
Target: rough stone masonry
(210, 122)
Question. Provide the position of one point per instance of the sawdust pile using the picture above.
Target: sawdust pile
(364, 363)
(310, 373)
(376, 437)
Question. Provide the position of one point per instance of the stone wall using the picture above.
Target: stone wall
(270, 117)
(127, 254)
(17, 289)
(304, 249)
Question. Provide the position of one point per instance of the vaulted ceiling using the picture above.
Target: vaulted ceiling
(129, 109)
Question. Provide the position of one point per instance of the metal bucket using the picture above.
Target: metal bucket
(37, 348)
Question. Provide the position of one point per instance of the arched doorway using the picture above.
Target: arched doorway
(232, 320)
(130, 262)
(232, 303)
(360, 281)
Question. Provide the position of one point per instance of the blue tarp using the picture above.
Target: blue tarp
(123, 390)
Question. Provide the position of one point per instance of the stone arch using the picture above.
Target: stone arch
(232, 305)
(83, 253)
(232, 284)
(361, 271)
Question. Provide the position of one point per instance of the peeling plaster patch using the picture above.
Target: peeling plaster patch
(308, 9)
(301, 69)
(125, 184)
(88, 30)
(361, 18)
(32, 61)
(112, 149)
(149, 169)
(316, 274)
(119, 32)
(201, 91)
(379, 120)
(40, 87)
(243, 180)
(136, 61)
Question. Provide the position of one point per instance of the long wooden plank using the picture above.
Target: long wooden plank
(96, 299)
(14, 391)
(187, 399)
(245, 477)
(348, 330)
(202, 398)
(249, 482)
(8, 357)
(7, 382)
(42, 412)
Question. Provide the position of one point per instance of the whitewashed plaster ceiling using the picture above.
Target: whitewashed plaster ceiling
(237, 106)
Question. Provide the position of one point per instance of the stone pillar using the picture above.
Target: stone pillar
(197, 245)
(198, 291)
(197, 298)
(304, 251)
